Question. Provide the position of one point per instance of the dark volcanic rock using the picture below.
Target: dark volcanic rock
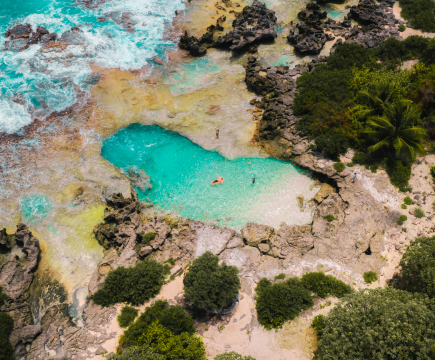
(4, 241)
(255, 24)
(308, 36)
(22, 36)
(19, 31)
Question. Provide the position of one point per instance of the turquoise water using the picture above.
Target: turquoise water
(181, 172)
(47, 80)
(35, 207)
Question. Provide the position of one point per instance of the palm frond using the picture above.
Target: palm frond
(378, 145)
(403, 149)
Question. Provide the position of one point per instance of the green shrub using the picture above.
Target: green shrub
(339, 166)
(370, 276)
(399, 173)
(209, 285)
(418, 267)
(350, 164)
(332, 143)
(318, 324)
(3, 296)
(233, 356)
(6, 327)
(329, 217)
(404, 206)
(148, 237)
(134, 353)
(172, 318)
(420, 13)
(279, 302)
(402, 219)
(408, 201)
(133, 285)
(325, 285)
(280, 276)
(419, 213)
(127, 316)
(382, 323)
(159, 339)
(167, 269)
(402, 28)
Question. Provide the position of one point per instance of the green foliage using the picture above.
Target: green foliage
(370, 276)
(127, 316)
(318, 324)
(432, 171)
(280, 276)
(350, 164)
(332, 143)
(159, 339)
(402, 28)
(329, 217)
(325, 285)
(134, 353)
(420, 13)
(339, 166)
(404, 206)
(399, 173)
(3, 296)
(402, 219)
(419, 213)
(133, 285)
(383, 324)
(148, 237)
(408, 201)
(172, 318)
(418, 267)
(167, 269)
(6, 327)
(233, 356)
(209, 285)
(279, 302)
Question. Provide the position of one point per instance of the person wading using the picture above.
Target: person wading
(217, 133)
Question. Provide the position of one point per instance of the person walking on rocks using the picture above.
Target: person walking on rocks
(217, 133)
(354, 177)
(155, 219)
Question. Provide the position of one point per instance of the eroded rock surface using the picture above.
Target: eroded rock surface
(22, 36)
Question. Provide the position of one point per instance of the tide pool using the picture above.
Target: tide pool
(47, 79)
(181, 173)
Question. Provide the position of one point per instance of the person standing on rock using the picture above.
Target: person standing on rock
(155, 219)
(217, 133)
(354, 177)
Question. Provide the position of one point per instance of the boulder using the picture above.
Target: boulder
(300, 200)
(4, 241)
(324, 192)
(30, 332)
(212, 238)
(255, 234)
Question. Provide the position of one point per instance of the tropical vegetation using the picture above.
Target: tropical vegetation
(127, 316)
(6, 327)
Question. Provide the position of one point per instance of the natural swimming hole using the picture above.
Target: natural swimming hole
(181, 173)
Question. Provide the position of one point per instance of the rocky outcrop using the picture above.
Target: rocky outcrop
(254, 234)
(4, 240)
(324, 191)
(22, 36)
(255, 24)
(308, 36)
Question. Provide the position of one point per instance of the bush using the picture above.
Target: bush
(172, 318)
(148, 237)
(325, 285)
(379, 324)
(134, 353)
(399, 173)
(370, 276)
(279, 302)
(332, 143)
(404, 206)
(329, 217)
(419, 213)
(159, 339)
(6, 327)
(420, 13)
(209, 285)
(418, 267)
(127, 316)
(233, 356)
(280, 276)
(432, 171)
(402, 219)
(350, 164)
(339, 166)
(133, 285)
(402, 28)
(408, 201)
(318, 324)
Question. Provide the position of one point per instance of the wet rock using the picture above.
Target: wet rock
(300, 200)
(30, 332)
(255, 234)
(4, 241)
(324, 192)
(255, 24)
(22, 36)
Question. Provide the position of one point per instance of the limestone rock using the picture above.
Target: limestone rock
(324, 192)
(288, 238)
(29, 332)
(255, 234)
(235, 242)
(145, 250)
(300, 199)
(212, 238)
(175, 270)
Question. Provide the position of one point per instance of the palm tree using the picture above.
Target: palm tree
(398, 129)
(376, 98)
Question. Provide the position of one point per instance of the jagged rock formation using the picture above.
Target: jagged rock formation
(253, 25)
(308, 36)
(22, 36)
(4, 241)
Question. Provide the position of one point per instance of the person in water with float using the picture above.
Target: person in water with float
(220, 179)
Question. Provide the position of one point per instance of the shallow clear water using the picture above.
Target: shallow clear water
(47, 79)
(181, 172)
